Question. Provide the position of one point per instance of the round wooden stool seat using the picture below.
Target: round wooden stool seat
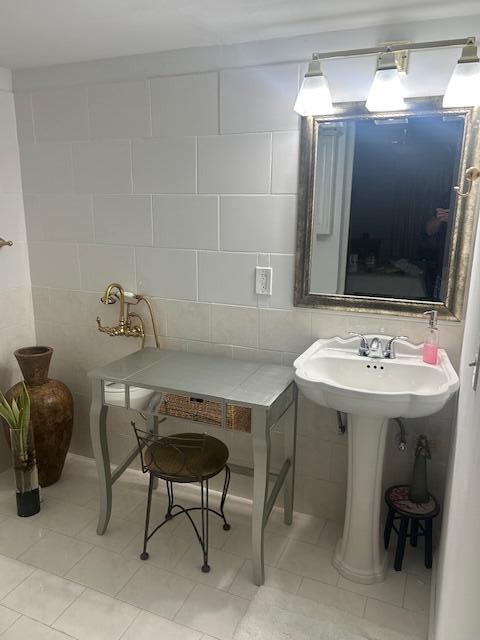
(415, 521)
(186, 457)
(397, 498)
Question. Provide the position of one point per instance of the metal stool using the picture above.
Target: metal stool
(418, 516)
(184, 458)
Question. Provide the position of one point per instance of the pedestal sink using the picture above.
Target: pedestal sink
(371, 391)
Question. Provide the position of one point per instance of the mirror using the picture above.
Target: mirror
(380, 227)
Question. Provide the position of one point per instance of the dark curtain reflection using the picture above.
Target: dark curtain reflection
(403, 172)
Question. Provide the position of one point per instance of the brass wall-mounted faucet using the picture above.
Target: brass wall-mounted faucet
(125, 326)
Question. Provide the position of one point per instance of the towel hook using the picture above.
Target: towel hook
(5, 243)
(471, 174)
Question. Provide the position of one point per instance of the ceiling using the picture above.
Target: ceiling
(42, 32)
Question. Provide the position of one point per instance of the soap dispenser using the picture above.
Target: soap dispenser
(430, 345)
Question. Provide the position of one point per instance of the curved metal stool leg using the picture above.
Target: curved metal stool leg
(171, 500)
(205, 513)
(226, 484)
(144, 555)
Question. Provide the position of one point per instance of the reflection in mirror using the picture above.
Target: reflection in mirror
(383, 205)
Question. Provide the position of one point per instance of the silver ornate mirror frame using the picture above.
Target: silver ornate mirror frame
(461, 244)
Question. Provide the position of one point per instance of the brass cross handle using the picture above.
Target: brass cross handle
(5, 243)
(471, 174)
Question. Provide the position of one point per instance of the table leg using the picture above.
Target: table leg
(290, 439)
(98, 435)
(261, 467)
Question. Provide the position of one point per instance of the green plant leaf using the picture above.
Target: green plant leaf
(7, 415)
(24, 400)
(15, 410)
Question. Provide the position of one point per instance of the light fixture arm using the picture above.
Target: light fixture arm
(394, 47)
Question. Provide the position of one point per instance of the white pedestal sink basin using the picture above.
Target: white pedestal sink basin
(371, 391)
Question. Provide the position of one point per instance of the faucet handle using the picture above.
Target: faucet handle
(364, 348)
(390, 346)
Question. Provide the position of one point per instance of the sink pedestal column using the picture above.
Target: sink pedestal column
(359, 556)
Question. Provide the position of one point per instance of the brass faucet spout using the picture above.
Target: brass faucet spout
(107, 298)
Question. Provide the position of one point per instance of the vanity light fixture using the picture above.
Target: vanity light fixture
(314, 97)
(464, 87)
(387, 92)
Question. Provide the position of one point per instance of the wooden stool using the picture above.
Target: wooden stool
(419, 516)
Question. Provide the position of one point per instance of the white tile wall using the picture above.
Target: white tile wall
(119, 110)
(100, 265)
(17, 323)
(102, 167)
(47, 168)
(122, 219)
(234, 164)
(235, 325)
(59, 217)
(178, 187)
(185, 222)
(61, 114)
(164, 166)
(167, 273)
(227, 277)
(284, 269)
(185, 105)
(54, 265)
(259, 99)
(271, 218)
(285, 152)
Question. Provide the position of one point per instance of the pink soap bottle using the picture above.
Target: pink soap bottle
(430, 345)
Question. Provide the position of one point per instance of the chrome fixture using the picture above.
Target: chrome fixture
(376, 348)
(389, 351)
(125, 326)
(387, 93)
(5, 243)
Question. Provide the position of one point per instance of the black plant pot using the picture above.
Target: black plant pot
(28, 503)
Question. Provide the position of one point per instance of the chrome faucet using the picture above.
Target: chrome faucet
(376, 348)
(389, 351)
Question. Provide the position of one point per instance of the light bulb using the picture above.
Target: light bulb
(463, 90)
(314, 97)
(386, 92)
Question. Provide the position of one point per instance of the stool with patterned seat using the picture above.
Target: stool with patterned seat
(415, 520)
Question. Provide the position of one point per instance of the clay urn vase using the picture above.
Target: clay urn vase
(51, 411)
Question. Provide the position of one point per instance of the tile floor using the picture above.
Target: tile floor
(59, 580)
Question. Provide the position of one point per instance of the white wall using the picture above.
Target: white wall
(16, 318)
(177, 186)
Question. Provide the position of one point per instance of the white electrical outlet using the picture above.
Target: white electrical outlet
(263, 281)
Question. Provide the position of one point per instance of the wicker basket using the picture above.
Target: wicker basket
(199, 410)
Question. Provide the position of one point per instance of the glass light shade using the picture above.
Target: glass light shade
(464, 87)
(386, 92)
(314, 97)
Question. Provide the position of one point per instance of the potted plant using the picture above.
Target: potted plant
(17, 415)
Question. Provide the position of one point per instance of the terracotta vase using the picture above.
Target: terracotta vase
(51, 411)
